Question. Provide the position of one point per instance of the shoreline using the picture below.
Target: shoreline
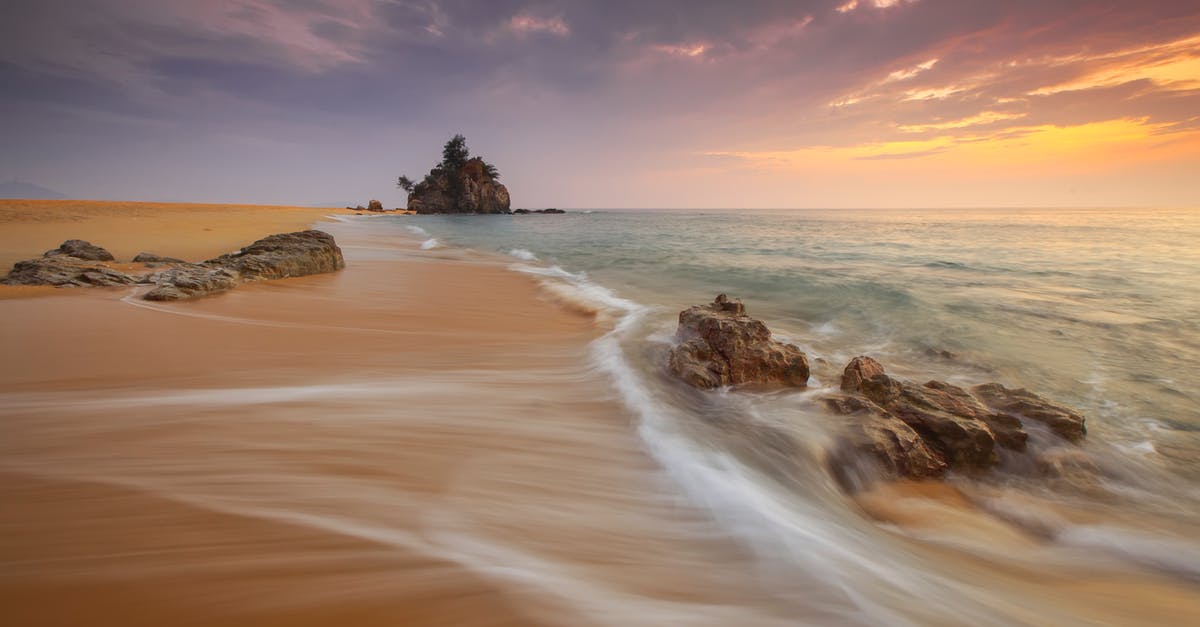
(423, 434)
(189, 231)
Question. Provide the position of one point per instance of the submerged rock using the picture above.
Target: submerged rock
(883, 440)
(1065, 422)
(80, 249)
(957, 429)
(284, 255)
(721, 345)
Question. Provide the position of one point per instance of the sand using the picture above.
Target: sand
(419, 439)
(193, 232)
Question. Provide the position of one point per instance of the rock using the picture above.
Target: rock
(1007, 429)
(152, 258)
(80, 249)
(522, 212)
(65, 271)
(873, 437)
(944, 419)
(191, 280)
(284, 255)
(858, 370)
(721, 345)
(467, 189)
(374, 205)
(1023, 404)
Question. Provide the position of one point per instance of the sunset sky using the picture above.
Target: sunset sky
(607, 104)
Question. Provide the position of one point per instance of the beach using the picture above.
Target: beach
(445, 433)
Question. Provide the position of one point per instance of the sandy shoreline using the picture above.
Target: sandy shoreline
(418, 439)
(193, 232)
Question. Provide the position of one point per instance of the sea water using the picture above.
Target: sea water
(1098, 309)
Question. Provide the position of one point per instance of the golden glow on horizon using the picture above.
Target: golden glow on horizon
(1066, 148)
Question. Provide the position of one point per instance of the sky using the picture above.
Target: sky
(609, 104)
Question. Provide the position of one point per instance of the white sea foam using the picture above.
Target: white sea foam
(522, 254)
(1166, 554)
(430, 244)
(416, 229)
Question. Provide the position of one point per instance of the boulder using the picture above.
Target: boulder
(374, 205)
(80, 249)
(943, 418)
(284, 255)
(720, 345)
(1023, 404)
(191, 280)
(858, 370)
(872, 437)
(144, 257)
(957, 429)
(65, 271)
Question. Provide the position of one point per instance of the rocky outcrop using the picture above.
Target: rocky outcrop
(273, 257)
(374, 205)
(284, 255)
(467, 189)
(880, 439)
(720, 345)
(151, 258)
(80, 249)
(191, 280)
(65, 271)
(525, 212)
(958, 429)
(75, 263)
(1065, 422)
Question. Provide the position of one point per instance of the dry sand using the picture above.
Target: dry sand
(193, 232)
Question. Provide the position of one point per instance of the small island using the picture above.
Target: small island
(460, 183)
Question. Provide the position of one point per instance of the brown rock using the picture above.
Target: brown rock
(144, 257)
(374, 205)
(883, 441)
(65, 271)
(858, 370)
(946, 422)
(1020, 403)
(80, 249)
(284, 255)
(721, 345)
(191, 280)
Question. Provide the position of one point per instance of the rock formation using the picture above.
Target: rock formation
(525, 212)
(459, 184)
(191, 280)
(284, 255)
(80, 249)
(955, 429)
(721, 345)
(273, 257)
(75, 263)
(374, 205)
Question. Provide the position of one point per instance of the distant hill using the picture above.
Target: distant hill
(20, 189)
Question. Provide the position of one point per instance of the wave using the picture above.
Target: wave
(522, 254)
(430, 244)
(416, 229)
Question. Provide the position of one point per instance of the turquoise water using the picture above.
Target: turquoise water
(1097, 309)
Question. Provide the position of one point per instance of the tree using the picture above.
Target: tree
(405, 183)
(455, 153)
(491, 171)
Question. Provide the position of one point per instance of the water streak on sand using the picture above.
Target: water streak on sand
(424, 439)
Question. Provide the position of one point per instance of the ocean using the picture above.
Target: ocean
(1095, 308)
